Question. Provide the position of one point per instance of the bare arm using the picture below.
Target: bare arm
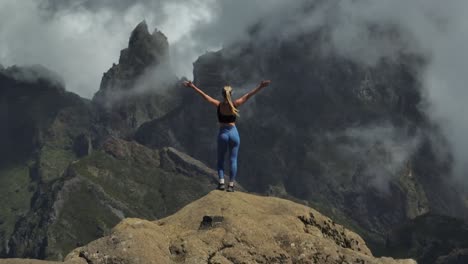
(208, 98)
(246, 96)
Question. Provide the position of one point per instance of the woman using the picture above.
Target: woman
(228, 137)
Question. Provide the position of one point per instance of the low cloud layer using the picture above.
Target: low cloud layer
(384, 150)
(81, 39)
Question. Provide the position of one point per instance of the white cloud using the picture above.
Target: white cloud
(78, 45)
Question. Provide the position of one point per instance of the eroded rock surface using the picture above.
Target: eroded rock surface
(245, 229)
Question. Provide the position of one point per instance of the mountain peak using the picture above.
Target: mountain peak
(141, 32)
(234, 227)
(145, 49)
(128, 92)
(142, 26)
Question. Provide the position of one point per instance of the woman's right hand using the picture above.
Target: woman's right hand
(265, 83)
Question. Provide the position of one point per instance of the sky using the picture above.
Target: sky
(80, 39)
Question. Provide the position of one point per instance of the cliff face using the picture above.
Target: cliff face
(226, 227)
(36, 110)
(42, 131)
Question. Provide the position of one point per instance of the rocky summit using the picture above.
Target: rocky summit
(226, 227)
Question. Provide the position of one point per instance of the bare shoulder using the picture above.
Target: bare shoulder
(238, 102)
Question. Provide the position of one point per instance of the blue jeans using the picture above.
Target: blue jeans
(228, 137)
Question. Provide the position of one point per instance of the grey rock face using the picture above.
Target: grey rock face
(144, 50)
(135, 90)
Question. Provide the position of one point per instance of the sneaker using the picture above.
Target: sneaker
(221, 186)
(230, 188)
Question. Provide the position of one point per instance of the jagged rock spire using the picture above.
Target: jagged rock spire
(144, 51)
(128, 95)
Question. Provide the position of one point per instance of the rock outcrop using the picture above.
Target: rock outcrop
(138, 88)
(226, 227)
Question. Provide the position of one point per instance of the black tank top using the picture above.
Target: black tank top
(225, 118)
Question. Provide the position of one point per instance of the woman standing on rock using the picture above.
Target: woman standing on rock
(228, 136)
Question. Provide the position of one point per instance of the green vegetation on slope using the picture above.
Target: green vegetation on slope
(16, 191)
(101, 189)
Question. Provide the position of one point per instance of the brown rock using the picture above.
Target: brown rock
(245, 229)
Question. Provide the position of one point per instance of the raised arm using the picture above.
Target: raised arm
(208, 98)
(246, 96)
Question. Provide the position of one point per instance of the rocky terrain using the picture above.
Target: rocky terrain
(226, 227)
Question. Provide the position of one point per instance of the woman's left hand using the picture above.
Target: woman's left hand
(188, 84)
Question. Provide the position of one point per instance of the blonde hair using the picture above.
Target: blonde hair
(227, 91)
